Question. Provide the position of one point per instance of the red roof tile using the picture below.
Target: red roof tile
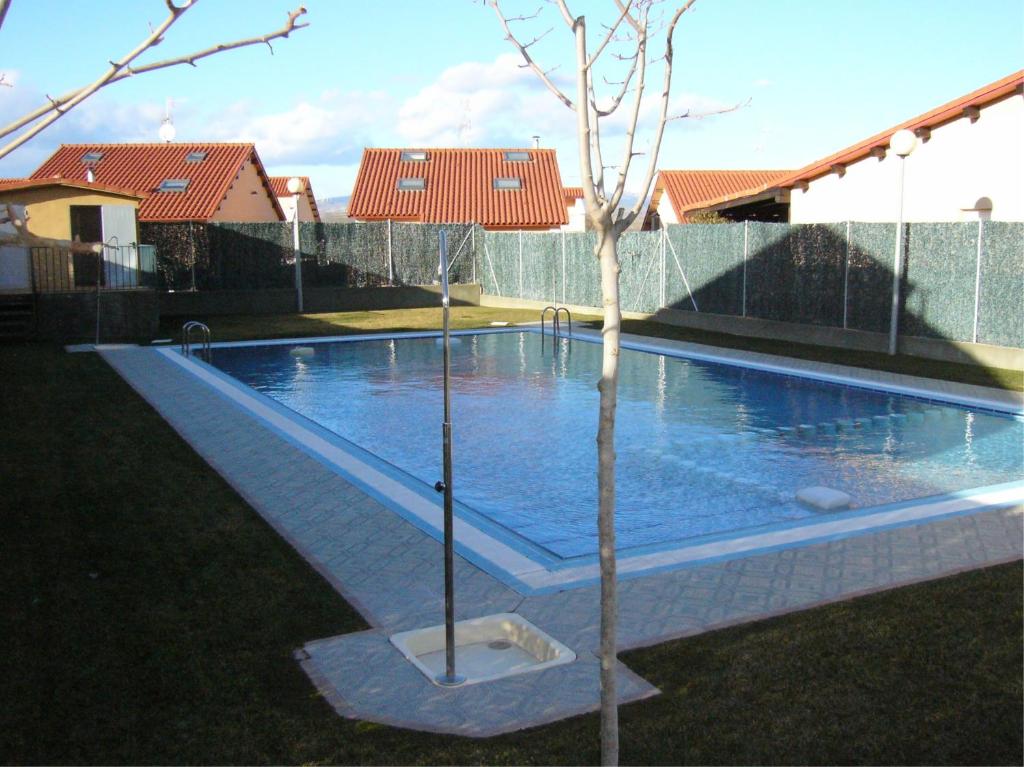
(573, 193)
(15, 184)
(145, 166)
(952, 110)
(690, 190)
(460, 188)
(279, 185)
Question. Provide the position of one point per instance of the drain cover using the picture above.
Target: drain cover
(499, 644)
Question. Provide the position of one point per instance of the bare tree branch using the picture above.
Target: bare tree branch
(538, 38)
(611, 34)
(652, 166)
(528, 59)
(570, 20)
(15, 216)
(122, 68)
(690, 115)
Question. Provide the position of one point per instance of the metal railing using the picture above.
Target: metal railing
(556, 327)
(118, 267)
(186, 338)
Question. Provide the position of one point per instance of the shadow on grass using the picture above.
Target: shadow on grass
(249, 327)
(150, 616)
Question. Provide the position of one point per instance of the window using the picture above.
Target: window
(412, 184)
(414, 157)
(517, 156)
(91, 157)
(508, 183)
(195, 157)
(173, 185)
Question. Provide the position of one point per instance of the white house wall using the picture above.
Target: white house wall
(961, 163)
(666, 212)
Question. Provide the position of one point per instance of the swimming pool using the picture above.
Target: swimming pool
(708, 454)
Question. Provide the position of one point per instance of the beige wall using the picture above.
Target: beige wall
(945, 176)
(247, 199)
(48, 208)
(287, 205)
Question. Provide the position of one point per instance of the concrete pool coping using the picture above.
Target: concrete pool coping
(390, 571)
(529, 569)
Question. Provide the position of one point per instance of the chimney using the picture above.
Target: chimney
(536, 142)
(90, 177)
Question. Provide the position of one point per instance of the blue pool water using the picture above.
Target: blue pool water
(703, 448)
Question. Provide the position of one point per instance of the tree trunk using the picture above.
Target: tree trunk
(608, 387)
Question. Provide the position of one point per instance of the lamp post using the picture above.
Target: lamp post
(902, 143)
(449, 678)
(295, 187)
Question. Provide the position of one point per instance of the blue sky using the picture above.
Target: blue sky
(819, 75)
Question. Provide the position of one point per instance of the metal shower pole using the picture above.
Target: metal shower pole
(449, 678)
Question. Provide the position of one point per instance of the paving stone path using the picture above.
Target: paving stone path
(392, 573)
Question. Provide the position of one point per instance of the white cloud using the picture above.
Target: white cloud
(333, 129)
(494, 103)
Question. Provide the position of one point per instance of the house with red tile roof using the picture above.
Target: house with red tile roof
(197, 182)
(308, 210)
(575, 208)
(680, 194)
(496, 188)
(966, 166)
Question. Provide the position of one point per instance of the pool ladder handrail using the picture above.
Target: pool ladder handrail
(556, 326)
(186, 338)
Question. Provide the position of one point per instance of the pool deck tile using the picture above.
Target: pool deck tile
(391, 572)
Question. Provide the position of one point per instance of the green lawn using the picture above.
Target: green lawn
(149, 616)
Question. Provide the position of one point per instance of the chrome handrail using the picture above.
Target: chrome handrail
(556, 325)
(186, 338)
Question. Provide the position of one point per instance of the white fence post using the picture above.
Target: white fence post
(563, 266)
(746, 252)
(391, 263)
(521, 264)
(846, 275)
(661, 292)
(977, 278)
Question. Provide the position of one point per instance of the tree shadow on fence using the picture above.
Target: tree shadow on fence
(831, 277)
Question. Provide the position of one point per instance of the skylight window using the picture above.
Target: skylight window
(195, 157)
(173, 185)
(412, 184)
(414, 157)
(508, 183)
(517, 156)
(91, 157)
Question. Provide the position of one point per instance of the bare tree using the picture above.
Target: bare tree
(39, 119)
(633, 27)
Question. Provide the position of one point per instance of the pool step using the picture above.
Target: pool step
(860, 423)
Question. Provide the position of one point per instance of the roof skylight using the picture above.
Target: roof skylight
(173, 185)
(90, 157)
(517, 156)
(414, 156)
(195, 156)
(412, 184)
(508, 183)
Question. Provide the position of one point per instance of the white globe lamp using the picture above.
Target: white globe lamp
(167, 131)
(903, 142)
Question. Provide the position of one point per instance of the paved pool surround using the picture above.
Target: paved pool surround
(392, 572)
